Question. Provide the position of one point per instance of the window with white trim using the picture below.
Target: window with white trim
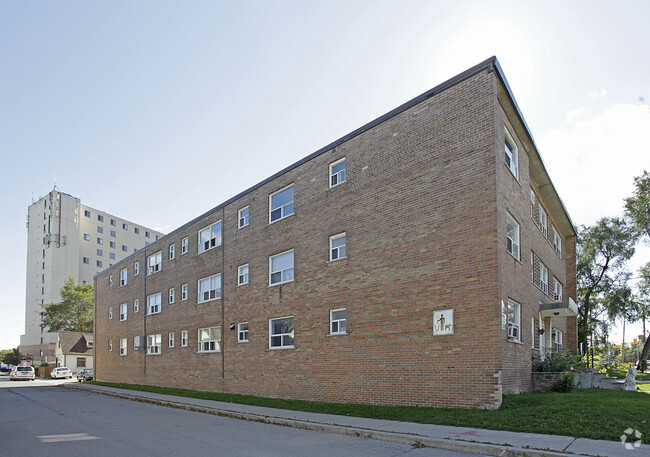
(184, 336)
(242, 275)
(557, 291)
(110, 345)
(512, 236)
(185, 245)
(154, 342)
(543, 278)
(123, 311)
(242, 332)
(514, 320)
(136, 269)
(281, 268)
(124, 277)
(184, 292)
(337, 247)
(138, 343)
(338, 321)
(557, 339)
(557, 242)
(170, 342)
(281, 204)
(110, 313)
(533, 332)
(154, 263)
(210, 237)
(154, 303)
(533, 199)
(243, 216)
(110, 277)
(172, 295)
(543, 221)
(337, 172)
(172, 251)
(136, 305)
(512, 154)
(281, 333)
(209, 288)
(210, 339)
(122, 346)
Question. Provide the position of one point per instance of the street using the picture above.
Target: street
(42, 418)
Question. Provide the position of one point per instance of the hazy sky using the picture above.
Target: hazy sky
(157, 111)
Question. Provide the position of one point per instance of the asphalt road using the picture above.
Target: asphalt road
(40, 418)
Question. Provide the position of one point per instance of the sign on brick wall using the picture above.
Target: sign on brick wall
(443, 322)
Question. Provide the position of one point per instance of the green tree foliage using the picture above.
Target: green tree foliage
(603, 250)
(11, 356)
(637, 207)
(74, 313)
(644, 311)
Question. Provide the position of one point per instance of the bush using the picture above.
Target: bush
(44, 364)
(557, 361)
(643, 366)
(564, 383)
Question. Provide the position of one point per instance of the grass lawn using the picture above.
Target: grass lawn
(622, 372)
(583, 413)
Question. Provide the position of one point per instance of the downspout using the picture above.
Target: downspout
(145, 272)
(223, 300)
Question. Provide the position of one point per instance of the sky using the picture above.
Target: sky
(157, 111)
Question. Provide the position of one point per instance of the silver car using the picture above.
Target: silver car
(22, 373)
(61, 372)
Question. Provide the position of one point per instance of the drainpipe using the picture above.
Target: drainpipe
(223, 300)
(145, 272)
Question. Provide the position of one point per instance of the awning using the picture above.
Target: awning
(559, 309)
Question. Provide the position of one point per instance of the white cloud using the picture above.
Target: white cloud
(597, 93)
(574, 114)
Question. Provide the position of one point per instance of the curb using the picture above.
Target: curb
(414, 440)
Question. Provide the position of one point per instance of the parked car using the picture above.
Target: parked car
(85, 375)
(22, 373)
(61, 372)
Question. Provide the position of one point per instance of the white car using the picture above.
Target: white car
(22, 373)
(61, 372)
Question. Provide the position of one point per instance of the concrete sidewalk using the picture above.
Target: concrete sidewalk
(477, 441)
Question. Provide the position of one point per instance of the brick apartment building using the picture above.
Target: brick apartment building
(419, 260)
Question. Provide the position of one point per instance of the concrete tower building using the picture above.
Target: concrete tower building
(66, 238)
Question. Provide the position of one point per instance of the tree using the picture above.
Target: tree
(74, 313)
(11, 356)
(603, 250)
(637, 207)
(644, 309)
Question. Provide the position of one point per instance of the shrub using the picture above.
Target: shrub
(643, 366)
(564, 383)
(557, 361)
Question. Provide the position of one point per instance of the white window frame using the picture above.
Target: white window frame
(154, 344)
(514, 320)
(212, 235)
(136, 305)
(543, 278)
(242, 333)
(123, 346)
(154, 263)
(110, 313)
(338, 322)
(557, 291)
(243, 220)
(284, 278)
(511, 154)
(213, 293)
(124, 277)
(557, 339)
(282, 335)
(185, 245)
(110, 345)
(171, 295)
(338, 252)
(154, 303)
(136, 268)
(172, 251)
(124, 311)
(557, 242)
(543, 221)
(533, 199)
(513, 245)
(184, 338)
(170, 340)
(339, 177)
(289, 206)
(243, 272)
(533, 332)
(209, 339)
(184, 292)
(110, 278)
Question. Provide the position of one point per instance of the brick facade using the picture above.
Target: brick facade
(423, 208)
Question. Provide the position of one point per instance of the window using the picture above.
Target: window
(242, 332)
(154, 303)
(81, 362)
(514, 332)
(136, 305)
(125, 226)
(557, 290)
(113, 222)
(86, 260)
(244, 217)
(110, 345)
(100, 240)
(147, 234)
(242, 275)
(281, 333)
(122, 346)
(210, 237)
(100, 252)
(337, 173)
(338, 321)
(184, 292)
(86, 237)
(209, 288)
(110, 313)
(512, 155)
(110, 280)
(281, 268)
(557, 339)
(111, 244)
(281, 204)
(543, 221)
(184, 341)
(172, 295)
(154, 263)
(124, 277)
(153, 343)
(557, 242)
(543, 278)
(337, 247)
(512, 235)
(210, 339)
(123, 312)
(99, 263)
(533, 199)
(136, 269)
(136, 230)
(172, 251)
(100, 218)
(86, 213)
(113, 233)
(171, 340)
(533, 332)
(124, 248)
(100, 229)
(184, 246)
